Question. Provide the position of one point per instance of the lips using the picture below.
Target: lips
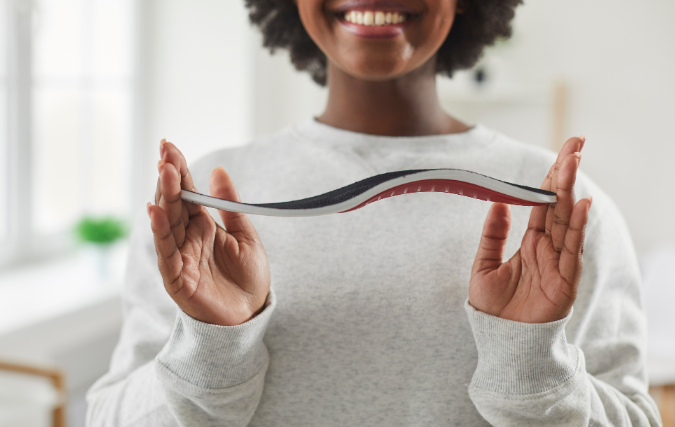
(375, 5)
(374, 19)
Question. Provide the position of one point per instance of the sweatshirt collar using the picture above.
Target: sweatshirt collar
(311, 130)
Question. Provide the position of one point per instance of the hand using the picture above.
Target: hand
(539, 283)
(216, 275)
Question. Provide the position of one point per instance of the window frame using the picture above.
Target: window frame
(22, 245)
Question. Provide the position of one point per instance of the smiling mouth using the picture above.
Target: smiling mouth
(372, 18)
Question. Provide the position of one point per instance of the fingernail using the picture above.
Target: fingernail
(583, 141)
(590, 202)
(147, 208)
(161, 147)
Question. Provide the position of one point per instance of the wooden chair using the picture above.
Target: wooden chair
(57, 379)
(664, 395)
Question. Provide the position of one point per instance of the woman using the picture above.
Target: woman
(400, 313)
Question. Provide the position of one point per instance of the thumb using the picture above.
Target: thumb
(493, 241)
(236, 223)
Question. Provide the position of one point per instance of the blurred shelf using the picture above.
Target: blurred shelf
(532, 112)
(50, 308)
(534, 95)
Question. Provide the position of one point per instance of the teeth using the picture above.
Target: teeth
(368, 18)
(379, 18)
(371, 18)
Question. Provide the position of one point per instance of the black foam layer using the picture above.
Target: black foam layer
(340, 195)
(352, 190)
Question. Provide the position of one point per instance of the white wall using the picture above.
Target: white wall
(282, 95)
(618, 57)
(197, 78)
(210, 85)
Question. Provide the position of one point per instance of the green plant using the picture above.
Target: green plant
(103, 230)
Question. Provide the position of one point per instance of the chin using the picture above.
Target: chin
(379, 68)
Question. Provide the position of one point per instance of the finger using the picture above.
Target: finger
(571, 260)
(538, 214)
(560, 219)
(171, 154)
(554, 186)
(171, 202)
(236, 223)
(572, 145)
(493, 240)
(169, 258)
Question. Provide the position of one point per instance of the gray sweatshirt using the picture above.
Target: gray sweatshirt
(368, 322)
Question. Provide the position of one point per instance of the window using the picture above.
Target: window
(70, 123)
(4, 132)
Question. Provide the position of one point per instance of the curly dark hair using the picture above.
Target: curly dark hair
(480, 24)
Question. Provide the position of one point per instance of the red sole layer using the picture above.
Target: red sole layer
(447, 186)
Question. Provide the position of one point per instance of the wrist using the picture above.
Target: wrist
(521, 358)
(212, 356)
(519, 315)
(257, 312)
(224, 315)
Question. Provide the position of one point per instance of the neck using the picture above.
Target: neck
(404, 106)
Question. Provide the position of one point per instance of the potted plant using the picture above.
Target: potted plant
(101, 233)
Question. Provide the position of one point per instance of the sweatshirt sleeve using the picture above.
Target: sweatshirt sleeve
(585, 369)
(169, 369)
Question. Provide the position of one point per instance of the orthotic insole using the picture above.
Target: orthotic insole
(378, 187)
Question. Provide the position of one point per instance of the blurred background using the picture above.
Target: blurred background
(89, 87)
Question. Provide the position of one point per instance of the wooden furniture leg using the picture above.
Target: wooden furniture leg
(58, 380)
(559, 116)
(664, 395)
